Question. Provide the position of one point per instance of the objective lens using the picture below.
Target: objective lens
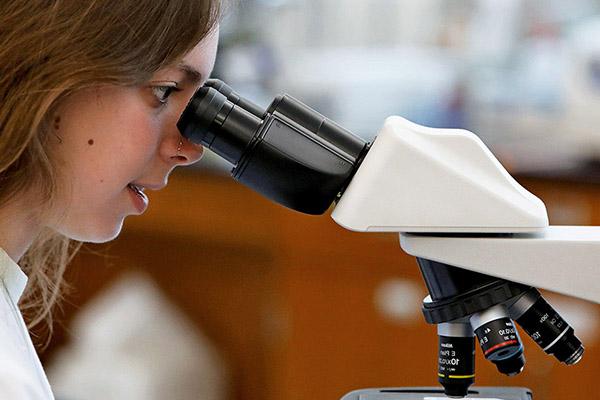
(456, 362)
(547, 328)
(499, 339)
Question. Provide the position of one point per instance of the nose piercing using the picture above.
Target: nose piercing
(179, 146)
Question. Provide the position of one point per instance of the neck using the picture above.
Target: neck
(18, 228)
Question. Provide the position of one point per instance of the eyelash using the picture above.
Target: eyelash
(167, 91)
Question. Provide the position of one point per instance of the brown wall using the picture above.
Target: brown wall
(289, 299)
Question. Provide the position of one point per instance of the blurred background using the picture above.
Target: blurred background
(216, 293)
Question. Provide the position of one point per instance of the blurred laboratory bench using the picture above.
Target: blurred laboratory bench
(300, 308)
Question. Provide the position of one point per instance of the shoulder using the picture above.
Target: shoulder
(18, 374)
(17, 381)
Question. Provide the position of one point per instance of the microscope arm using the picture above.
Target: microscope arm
(564, 259)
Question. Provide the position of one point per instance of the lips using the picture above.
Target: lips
(150, 186)
(139, 198)
(137, 188)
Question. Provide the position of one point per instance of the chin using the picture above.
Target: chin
(94, 233)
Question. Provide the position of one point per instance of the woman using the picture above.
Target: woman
(90, 93)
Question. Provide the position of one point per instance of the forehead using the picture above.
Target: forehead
(198, 63)
(204, 52)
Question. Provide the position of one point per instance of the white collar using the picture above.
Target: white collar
(12, 275)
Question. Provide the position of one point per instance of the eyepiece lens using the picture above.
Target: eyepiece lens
(198, 117)
(215, 122)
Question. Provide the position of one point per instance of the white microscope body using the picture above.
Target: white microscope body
(453, 202)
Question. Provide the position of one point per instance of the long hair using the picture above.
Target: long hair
(50, 49)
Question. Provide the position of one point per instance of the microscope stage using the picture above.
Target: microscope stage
(434, 393)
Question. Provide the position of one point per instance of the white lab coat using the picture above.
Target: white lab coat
(21, 374)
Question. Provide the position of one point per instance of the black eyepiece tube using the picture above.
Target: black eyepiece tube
(323, 127)
(209, 120)
(233, 97)
(289, 153)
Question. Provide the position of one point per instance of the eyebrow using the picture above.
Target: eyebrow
(192, 75)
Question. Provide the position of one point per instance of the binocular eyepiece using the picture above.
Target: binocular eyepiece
(288, 152)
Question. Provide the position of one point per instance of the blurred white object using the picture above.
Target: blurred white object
(131, 343)
(545, 112)
(359, 87)
(582, 91)
(399, 300)
(493, 30)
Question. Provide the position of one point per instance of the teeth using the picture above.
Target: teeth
(138, 189)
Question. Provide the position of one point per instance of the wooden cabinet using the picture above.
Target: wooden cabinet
(294, 302)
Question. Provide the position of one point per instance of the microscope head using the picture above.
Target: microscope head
(418, 179)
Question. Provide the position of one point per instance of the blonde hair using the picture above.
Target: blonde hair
(50, 49)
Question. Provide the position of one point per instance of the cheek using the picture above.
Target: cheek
(106, 146)
(136, 137)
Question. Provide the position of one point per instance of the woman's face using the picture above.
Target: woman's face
(113, 136)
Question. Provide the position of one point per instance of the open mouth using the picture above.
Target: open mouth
(140, 200)
(137, 189)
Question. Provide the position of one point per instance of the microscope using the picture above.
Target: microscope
(482, 242)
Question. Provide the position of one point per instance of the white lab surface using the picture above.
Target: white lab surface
(21, 373)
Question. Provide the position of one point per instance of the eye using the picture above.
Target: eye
(162, 92)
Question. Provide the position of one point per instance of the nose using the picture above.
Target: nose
(186, 152)
(175, 148)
